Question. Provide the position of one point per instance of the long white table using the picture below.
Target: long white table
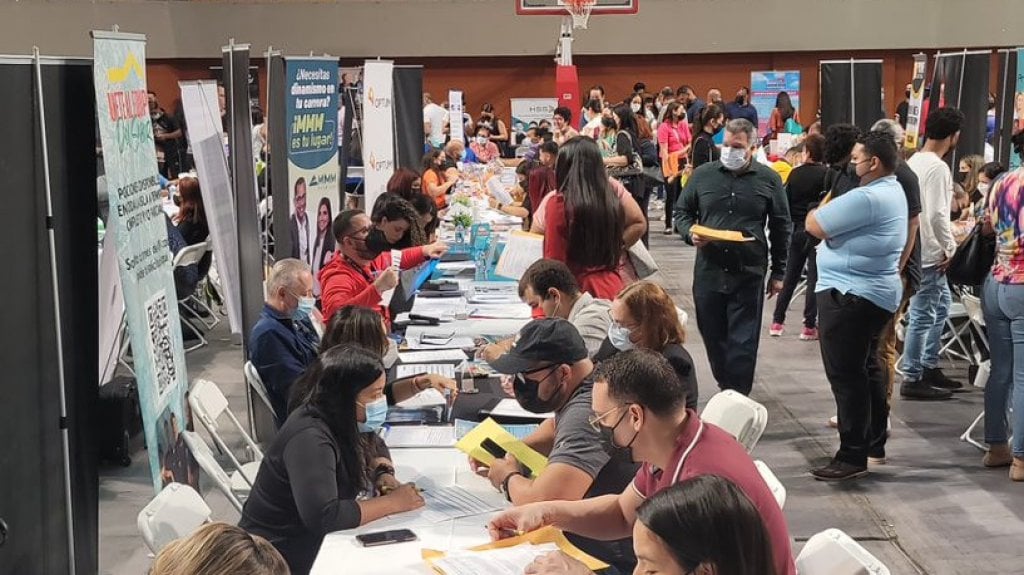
(341, 553)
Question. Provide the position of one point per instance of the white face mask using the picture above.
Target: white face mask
(619, 337)
(634, 107)
(481, 140)
(733, 158)
(984, 188)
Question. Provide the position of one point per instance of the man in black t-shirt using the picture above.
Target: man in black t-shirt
(167, 137)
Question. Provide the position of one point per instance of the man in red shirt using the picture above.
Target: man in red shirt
(640, 405)
(361, 270)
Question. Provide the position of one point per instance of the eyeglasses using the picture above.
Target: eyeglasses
(596, 419)
(551, 368)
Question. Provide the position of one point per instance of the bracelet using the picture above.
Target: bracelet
(382, 470)
(504, 485)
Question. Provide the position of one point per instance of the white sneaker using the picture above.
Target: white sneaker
(833, 422)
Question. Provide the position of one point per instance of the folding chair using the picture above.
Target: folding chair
(740, 416)
(252, 377)
(209, 404)
(972, 305)
(776, 486)
(833, 552)
(174, 513)
(204, 456)
(188, 256)
(953, 334)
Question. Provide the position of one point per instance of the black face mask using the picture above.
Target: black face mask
(907, 93)
(741, 100)
(528, 396)
(608, 441)
(960, 177)
(374, 244)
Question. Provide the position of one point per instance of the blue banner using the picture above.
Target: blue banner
(1018, 106)
(144, 260)
(765, 87)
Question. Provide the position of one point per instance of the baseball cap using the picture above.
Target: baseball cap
(548, 340)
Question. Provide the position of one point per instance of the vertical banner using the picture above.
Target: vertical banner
(129, 157)
(379, 128)
(526, 111)
(408, 98)
(765, 87)
(202, 113)
(1018, 107)
(916, 102)
(851, 92)
(455, 121)
(311, 128)
(1007, 102)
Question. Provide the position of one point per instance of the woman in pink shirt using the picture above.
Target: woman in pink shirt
(673, 145)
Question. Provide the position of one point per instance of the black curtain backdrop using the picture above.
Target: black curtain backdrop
(278, 162)
(961, 81)
(851, 93)
(1005, 91)
(408, 97)
(348, 97)
(32, 502)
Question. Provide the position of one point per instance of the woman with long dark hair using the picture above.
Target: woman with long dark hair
(434, 182)
(191, 218)
(709, 123)
(781, 113)
(323, 247)
(585, 220)
(327, 470)
(399, 221)
(405, 183)
(498, 129)
(702, 525)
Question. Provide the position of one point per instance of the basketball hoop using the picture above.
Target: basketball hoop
(579, 10)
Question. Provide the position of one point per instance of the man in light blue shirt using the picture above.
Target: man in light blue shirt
(858, 291)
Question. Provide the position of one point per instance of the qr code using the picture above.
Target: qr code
(158, 329)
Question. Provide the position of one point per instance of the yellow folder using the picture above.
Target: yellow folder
(489, 429)
(538, 537)
(719, 235)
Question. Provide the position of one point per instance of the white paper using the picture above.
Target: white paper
(436, 355)
(419, 436)
(443, 308)
(497, 189)
(521, 251)
(510, 408)
(396, 264)
(507, 561)
(500, 311)
(413, 369)
(453, 502)
(418, 339)
(518, 430)
(426, 398)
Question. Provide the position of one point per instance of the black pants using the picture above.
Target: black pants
(799, 254)
(850, 327)
(672, 190)
(730, 325)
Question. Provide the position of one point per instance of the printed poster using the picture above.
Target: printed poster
(916, 102)
(144, 260)
(455, 119)
(526, 111)
(765, 87)
(311, 116)
(378, 128)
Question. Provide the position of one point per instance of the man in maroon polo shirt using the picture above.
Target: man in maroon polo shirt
(640, 405)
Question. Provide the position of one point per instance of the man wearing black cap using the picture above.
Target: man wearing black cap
(553, 374)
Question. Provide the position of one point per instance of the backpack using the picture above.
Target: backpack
(648, 152)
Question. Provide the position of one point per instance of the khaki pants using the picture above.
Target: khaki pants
(887, 342)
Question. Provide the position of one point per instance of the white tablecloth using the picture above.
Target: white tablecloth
(341, 553)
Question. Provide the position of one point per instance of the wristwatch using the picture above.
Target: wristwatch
(382, 469)
(504, 485)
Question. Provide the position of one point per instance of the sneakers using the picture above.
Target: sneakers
(877, 457)
(921, 391)
(776, 330)
(668, 231)
(809, 334)
(841, 471)
(1017, 469)
(998, 455)
(935, 378)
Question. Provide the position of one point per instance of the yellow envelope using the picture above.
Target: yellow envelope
(489, 429)
(538, 537)
(720, 235)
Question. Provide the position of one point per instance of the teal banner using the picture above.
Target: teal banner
(144, 260)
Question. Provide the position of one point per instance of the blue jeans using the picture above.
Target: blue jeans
(1003, 305)
(928, 311)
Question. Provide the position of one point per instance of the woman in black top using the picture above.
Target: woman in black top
(805, 186)
(327, 470)
(644, 316)
(704, 151)
(191, 218)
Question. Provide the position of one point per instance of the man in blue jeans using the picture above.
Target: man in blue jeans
(929, 308)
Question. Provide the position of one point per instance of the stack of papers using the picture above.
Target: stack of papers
(419, 337)
(419, 436)
(413, 369)
(508, 556)
(511, 408)
(443, 503)
(519, 430)
(438, 355)
(500, 311)
(426, 398)
(521, 251)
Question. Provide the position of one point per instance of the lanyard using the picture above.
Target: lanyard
(358, 268)
(686, 453)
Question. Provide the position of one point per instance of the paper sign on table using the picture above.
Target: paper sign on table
(720, 235)
(533, 543)
(521, 251)
(489, 429)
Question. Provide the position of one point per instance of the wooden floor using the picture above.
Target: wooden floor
(933, 509)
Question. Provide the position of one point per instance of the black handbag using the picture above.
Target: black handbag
(972, 261)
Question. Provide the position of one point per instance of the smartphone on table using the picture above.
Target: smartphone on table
(385, 537)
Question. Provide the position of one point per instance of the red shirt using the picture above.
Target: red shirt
(343, 282)
(540, 182)
(708, 450)
(598, 282)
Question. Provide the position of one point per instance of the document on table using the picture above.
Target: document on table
(452, 502)
(426, 398)
(420, 337)
(411, 369)
(500, 311)
(510, 408)
(543, 540)
(445, 308)
(521, 251)
(419, 436)
(434, 355)
(518, 430)
(507, 561)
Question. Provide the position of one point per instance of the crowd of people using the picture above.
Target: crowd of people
(634, 476)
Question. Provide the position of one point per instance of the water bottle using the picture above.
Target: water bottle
(460, 237)
(481, 265)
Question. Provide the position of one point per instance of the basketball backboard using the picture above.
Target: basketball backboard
(556, 7)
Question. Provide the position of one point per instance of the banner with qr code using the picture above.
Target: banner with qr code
(144, 257)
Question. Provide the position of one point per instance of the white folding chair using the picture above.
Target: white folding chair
(204, 456)
(252, 377)
(209, 404)
(175, 512)
(972, 305)
(188, 256)
(953, 334)
(833, 552)
(776, 486)
(740, 416)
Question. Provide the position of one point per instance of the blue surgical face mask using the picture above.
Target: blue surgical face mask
(304, 309)
(376, 414)
(619, 337)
